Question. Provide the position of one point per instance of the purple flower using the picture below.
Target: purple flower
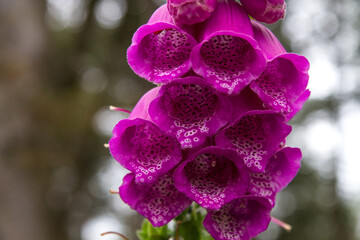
(191, 11)
(212, 177)
(159, 202)
(256, 136)
(160, 50)
(241, 219)
(282, 168)
(143, 148)
(268, 11)
(227, 55)
(190, 110)
(285, 77)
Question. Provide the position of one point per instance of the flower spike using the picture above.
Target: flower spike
(227, 55)
(160, 50)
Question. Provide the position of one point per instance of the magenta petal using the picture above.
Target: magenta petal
(284, 79)
(141, 147)
(241, 219)
(190, 110)
(282, 168)
(298, 104)
(268, 11)
(227, 55)
(245, 101)
(141, 108)
(256, 136)
(160, 50)
(267, 41)
(159, 202)
(191, 11)
(212, 177)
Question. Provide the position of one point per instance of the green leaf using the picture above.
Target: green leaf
(189, 231)
(149, 232)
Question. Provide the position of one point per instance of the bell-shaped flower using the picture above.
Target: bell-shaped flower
(159, 201)
(281, 169)
(285, 77)
(256, 136)
(160, 50)
(267, 11)
(227, 54)
(191, 11)
(143, 148)
(241, 219)
(190, 110)
(212, 177)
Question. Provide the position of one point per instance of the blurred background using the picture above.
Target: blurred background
(63, 62)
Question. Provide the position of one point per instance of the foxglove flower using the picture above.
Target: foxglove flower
(143, 148)
(212, 177)
(285, 77)
(256, 136)
(159, 201)
(191, 11)
(241, 219)
(190, 110)
(282, 168)
(227, 55)
(160, 50)
(267, 11)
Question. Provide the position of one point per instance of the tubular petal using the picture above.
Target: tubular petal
(159, 202)
(190, 110)
(282, 168)
(285, 77)
(241, 219)
(191, 11)
(160, 50)
(227, 55)
(212, 177)
(141, 147)
(256, 136)
(267, 11)
(141, 109)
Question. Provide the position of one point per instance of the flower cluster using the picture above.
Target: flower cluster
(213, 130)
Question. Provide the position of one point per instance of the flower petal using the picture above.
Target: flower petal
(141, 147)
(256, 136)
(160, 50)
(159, 202)
(267, 41)
(282, 168)
(268, 11)
(284, 79)
(190, 110)
(141, 109)
(227, 55)
(241, 219)
(212, 177)
(191, 11)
